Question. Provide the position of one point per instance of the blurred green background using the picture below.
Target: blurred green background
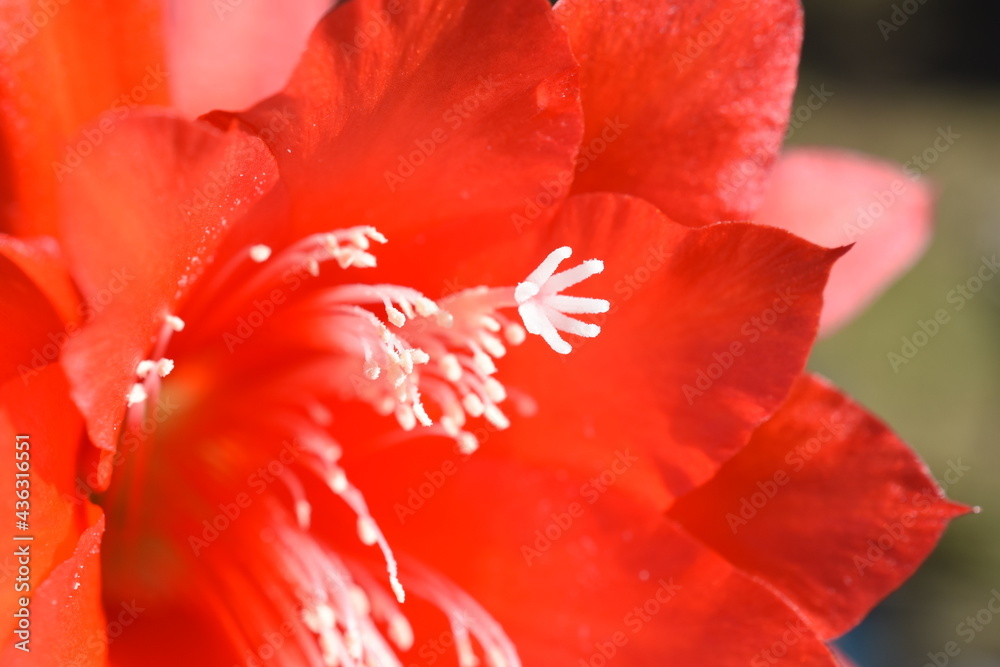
(893, 89)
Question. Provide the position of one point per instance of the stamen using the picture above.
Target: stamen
(370, 533)
(400, 632)
(451, 368)
(176, 323)
(137, 394)
(367, 531)
(515, 334)
(144, 368)
(430, 365)
(466, 618)
(260, 253)
(337, 481)
(467, 443)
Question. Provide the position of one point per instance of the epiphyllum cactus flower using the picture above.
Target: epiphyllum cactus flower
(294, 411)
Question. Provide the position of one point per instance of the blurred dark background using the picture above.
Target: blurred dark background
(900, 70)
(940, 41)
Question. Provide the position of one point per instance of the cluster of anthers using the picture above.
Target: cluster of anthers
(429, 364)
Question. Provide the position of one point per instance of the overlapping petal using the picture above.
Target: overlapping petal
(708, 330)
(685, 102)
(834, 198)
(229, 55)
(826, 504)
(41, 260)
(425, 119)
(589, 572)
(138, 233)
(26, 343)
(60, 68)
(63, 582)
(68, 626)
(452, 126)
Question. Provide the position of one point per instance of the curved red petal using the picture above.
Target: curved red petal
(409, 116)
(833, 198)
(707, 331)
(65, 63)
(826, 504)
(26, 345)
(230, 55)
(42, 431)
(588, 574)
(685, 102)
(67, 620)
(41, 259)
(138, 233)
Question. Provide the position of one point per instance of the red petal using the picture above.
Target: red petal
(64, 596)
(230, 55)
(833, 198)
(29, 321)
(708, 330)
(67, 621)
(685, 102)
(41, 259)
(574, 570)
(40, 408)
(67, 62)
(138, 233)
(826, 504)
(410, 115)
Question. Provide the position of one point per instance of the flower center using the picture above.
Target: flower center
(428, 365)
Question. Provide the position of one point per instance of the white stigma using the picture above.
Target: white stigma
(544, 310)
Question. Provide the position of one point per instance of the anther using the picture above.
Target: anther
(260, 253)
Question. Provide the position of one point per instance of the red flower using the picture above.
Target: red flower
(249, 443)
